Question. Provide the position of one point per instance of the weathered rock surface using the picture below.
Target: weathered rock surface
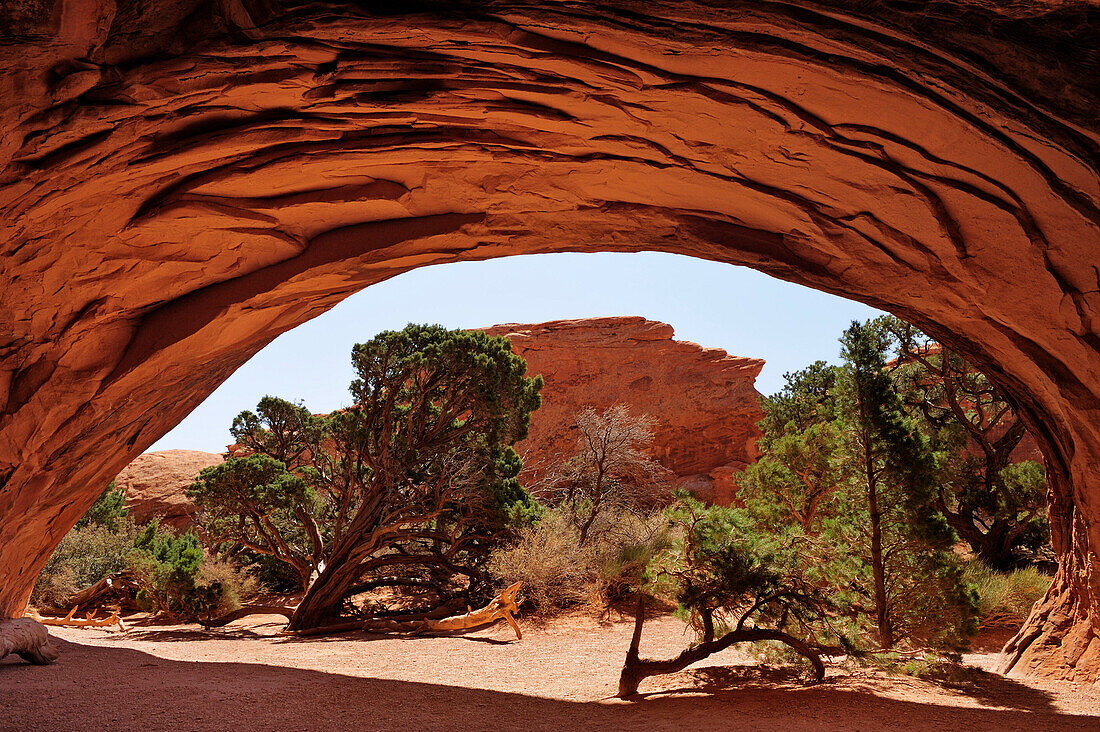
(182, 180)
(27, 639)
(702, 400)
(156, 485)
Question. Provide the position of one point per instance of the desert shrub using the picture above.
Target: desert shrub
(177, 577)
(221, 587)
(83, 557)
(1005, 598)
(557, 571)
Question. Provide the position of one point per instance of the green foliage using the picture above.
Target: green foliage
(256, 503)
(165, 566)
(807, 398)
(84, 556)
(725, 574)
(795, 477)
(97, 546)
(994, 505)
(846, 493)
(109, 510)
(417, 477)
(1005, 598)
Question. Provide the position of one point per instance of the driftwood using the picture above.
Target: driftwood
(247, 610)
(118, 588)
(88, 621)
(635, 668)
(28, 639)
(502, 607)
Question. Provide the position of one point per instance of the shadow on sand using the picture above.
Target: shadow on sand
(97, 688)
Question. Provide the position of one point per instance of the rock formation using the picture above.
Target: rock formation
(703, 401)
(156, 485)
(182, 180)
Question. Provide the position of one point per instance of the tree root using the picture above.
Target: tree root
(28, 639)
(245, 611)
(88, 621)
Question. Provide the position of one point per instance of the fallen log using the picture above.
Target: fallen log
(502, 607)
(117, 588)
(245, 611)
(88, 621)
(27, 639)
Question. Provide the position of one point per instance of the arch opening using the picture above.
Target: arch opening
(171, 205)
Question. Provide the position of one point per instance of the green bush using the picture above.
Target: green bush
(83, 557)
(1004, 598)
(109, 510)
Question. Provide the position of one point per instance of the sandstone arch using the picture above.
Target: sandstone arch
(182, 180)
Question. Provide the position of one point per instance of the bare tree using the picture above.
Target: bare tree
(611, 467)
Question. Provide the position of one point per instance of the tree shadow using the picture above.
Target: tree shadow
(987, 689)
(122, 689)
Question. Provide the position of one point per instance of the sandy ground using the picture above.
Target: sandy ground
(560, 676)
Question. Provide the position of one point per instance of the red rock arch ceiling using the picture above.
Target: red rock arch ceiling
(182, 180)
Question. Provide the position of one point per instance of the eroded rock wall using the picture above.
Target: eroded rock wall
(702, 400)
(156, 485)
(182, 180)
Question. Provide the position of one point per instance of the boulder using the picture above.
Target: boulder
(156, 485)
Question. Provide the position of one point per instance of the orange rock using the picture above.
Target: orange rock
(703, 400)
(177, 189)
(156, 485)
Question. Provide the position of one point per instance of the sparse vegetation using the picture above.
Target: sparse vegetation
(412, 486)
(730, 585)
(1005, 598)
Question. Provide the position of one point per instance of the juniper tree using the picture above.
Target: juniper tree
(412, 484)
(995, 504)
(846, 486)
(732, 586)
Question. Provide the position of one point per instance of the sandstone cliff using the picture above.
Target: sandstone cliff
(155, 485)
(703, 400)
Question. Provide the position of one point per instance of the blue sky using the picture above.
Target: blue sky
(715, 305)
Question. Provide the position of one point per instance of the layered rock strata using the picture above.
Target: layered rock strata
(182, 180)
(702, 400)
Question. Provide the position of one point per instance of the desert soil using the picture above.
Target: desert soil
(562, 675)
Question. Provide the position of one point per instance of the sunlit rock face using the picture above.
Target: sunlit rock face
(156, 485)
(182, 180)
(702, 401)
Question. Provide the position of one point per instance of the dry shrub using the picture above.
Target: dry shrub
(1005, 598)
(226, 584)
(556, 571)
(559, 572)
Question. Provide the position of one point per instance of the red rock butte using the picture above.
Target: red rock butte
(702, 400)
(183, 180)
(156, 485)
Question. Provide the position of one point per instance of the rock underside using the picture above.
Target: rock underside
(702, 400)
(182, 180)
